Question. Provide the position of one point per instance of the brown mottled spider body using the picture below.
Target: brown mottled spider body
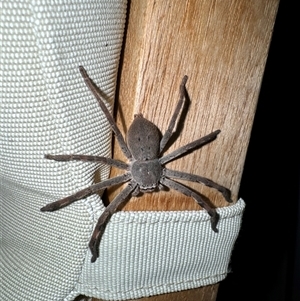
(145, 171)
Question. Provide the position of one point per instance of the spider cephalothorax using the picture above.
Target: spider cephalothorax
(145, 170)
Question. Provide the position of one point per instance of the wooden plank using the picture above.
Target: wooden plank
(222, 46)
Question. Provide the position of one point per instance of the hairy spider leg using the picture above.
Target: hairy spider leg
(175, 117)
(189, 192)
(189, 147)
(198, 179)
(121, 198)
(104, 109)
(86, 158)
(86, 192)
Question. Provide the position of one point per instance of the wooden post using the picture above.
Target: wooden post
(222, 46)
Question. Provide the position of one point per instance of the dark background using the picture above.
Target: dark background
(266, 259)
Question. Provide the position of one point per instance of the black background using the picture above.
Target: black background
(266, 259)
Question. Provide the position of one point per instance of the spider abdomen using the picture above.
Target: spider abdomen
(143, 139)
(146, 174)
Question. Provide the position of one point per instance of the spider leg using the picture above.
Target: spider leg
(189, 192)
(85, 193)
(189, 147)
(176, 115)
(107, 161)
(195, 178)
(109, 117)
(105, 217)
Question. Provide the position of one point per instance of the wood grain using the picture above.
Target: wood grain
(207, 293)
(222, 46)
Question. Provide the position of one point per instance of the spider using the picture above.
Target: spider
(145, 171)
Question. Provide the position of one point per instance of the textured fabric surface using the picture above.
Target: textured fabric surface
(150, 253)
(47, 108)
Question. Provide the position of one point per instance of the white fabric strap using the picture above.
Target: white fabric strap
(46, 108)
(150, 253)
